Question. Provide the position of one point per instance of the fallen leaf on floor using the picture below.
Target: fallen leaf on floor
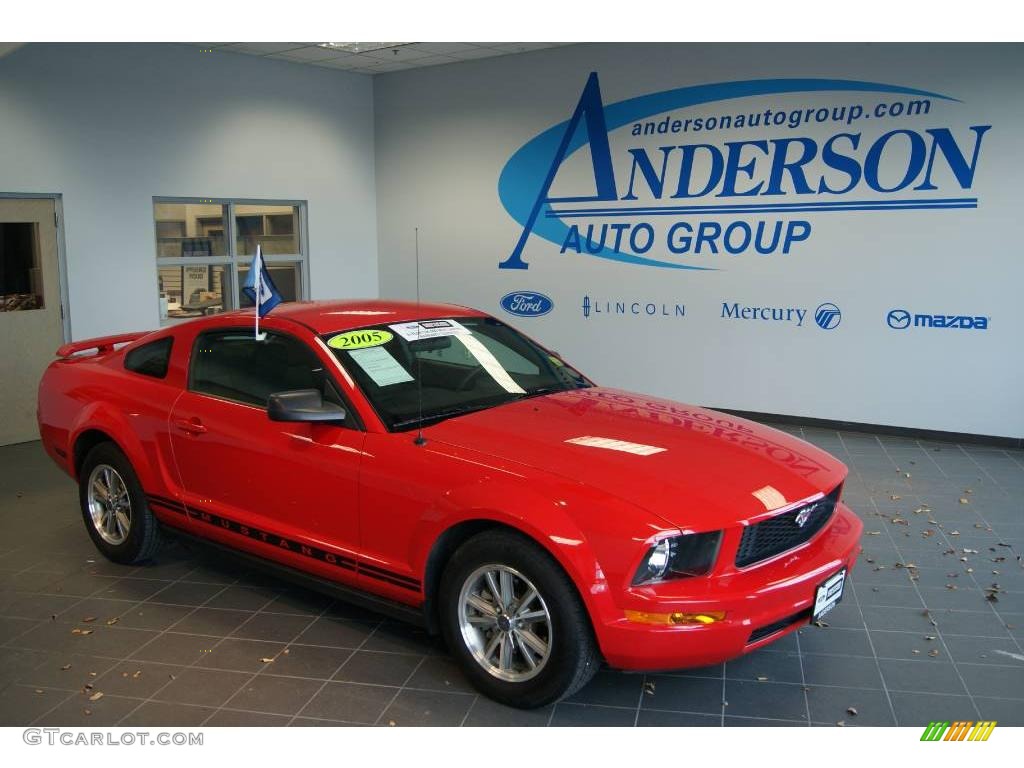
(266, 659)
(96, 696)
(964, 501)
(851, 711)
(137, 675)
(929, 637)
(968, 490)
(77, 631)
(88, 619)
(391, 722)
(970, 551)
(649, 687)
(841, 723)
(899, 521)
(954, 533)
(874, 533)
(762, 679)
(86, 712)
(894, 497)
(933, 652)
(66, 667)
(40, 691)
(113, 621)
(915, 652)
(951, 586)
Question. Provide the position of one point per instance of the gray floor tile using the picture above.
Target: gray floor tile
(351, 702)
(268, 693)
(568, 714)
(427, 708)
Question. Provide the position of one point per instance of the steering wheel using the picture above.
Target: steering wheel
(469, 377)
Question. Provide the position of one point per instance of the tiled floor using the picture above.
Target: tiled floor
(189, 641)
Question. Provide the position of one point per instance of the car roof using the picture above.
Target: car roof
(331, 316)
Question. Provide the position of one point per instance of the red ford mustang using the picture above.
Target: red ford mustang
(435, 464)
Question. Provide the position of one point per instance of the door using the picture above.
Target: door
(31, 325)
(285, 491)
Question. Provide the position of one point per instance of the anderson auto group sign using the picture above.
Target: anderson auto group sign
(662, 186)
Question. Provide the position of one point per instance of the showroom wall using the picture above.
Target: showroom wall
(112, 126)
(824, 231)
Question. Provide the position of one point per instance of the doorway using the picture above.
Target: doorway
(31, 310)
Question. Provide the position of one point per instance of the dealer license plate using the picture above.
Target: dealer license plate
(828, 595)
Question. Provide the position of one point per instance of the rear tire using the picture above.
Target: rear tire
(515, 622)
(114, 507)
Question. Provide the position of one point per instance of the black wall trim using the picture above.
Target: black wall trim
(882, 429)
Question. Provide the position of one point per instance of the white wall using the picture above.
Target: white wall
(112, 126)
(445, 134)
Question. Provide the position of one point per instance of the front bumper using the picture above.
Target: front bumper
(767, 600)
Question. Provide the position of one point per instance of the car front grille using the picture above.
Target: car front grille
(783, 532)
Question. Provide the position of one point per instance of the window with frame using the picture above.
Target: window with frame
(204, 248)
(231, 364)
(150, 359)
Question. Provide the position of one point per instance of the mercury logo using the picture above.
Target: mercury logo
(827, 316)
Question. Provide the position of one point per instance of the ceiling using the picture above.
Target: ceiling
(375, 58)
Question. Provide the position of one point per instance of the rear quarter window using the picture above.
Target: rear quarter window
(150, 359)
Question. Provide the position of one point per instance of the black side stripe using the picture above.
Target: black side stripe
(169, 504)
(291, 545)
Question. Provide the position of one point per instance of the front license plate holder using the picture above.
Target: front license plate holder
(828, 594)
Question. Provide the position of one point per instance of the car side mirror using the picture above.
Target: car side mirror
(303, 405)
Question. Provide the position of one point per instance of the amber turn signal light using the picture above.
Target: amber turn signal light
(676, 619)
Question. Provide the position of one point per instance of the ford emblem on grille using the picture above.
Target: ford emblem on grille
(804, 515)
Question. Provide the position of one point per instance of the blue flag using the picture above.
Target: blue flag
(259, 287)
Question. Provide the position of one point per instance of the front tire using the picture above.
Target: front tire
(515, 622)
(114, 507)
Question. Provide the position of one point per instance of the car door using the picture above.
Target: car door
(282, 490)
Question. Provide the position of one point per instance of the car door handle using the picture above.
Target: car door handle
(191, 426)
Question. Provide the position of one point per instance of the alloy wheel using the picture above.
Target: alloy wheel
(109, 505)
(505, 623)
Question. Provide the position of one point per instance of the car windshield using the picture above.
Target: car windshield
(422, 372)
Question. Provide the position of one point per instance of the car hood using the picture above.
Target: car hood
(712, 469)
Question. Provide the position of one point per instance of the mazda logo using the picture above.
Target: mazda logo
(898, 318)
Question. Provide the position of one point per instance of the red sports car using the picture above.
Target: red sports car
(435, 464)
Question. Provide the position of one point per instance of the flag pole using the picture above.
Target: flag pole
(258, 285)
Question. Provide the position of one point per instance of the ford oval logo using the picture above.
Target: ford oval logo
(526, 304)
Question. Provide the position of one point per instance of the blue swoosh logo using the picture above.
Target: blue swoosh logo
(523, 175)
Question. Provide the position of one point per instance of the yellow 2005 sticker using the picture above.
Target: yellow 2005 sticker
(360, 339)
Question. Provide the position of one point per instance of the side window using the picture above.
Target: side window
(150, 359)
(233, 365)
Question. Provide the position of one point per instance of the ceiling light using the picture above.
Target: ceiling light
(361, 47)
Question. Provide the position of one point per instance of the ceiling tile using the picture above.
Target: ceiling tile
(311, 53)
(408, 56)
(264, 48)
(443, 49)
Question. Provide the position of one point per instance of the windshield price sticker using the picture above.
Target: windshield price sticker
(380, 366)
(360, 339)
(429, 329)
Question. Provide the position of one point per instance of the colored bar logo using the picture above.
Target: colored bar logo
(961, 730)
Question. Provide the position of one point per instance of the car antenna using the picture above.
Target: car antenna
(420, 439)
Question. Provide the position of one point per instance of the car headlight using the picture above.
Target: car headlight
(692, 554)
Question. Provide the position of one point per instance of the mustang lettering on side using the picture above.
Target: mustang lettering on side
(433, 464)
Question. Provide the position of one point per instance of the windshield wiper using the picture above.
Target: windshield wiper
(441, 416)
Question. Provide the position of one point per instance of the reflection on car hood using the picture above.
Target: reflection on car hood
(694, 467)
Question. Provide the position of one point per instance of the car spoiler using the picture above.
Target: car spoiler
(101, 344)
